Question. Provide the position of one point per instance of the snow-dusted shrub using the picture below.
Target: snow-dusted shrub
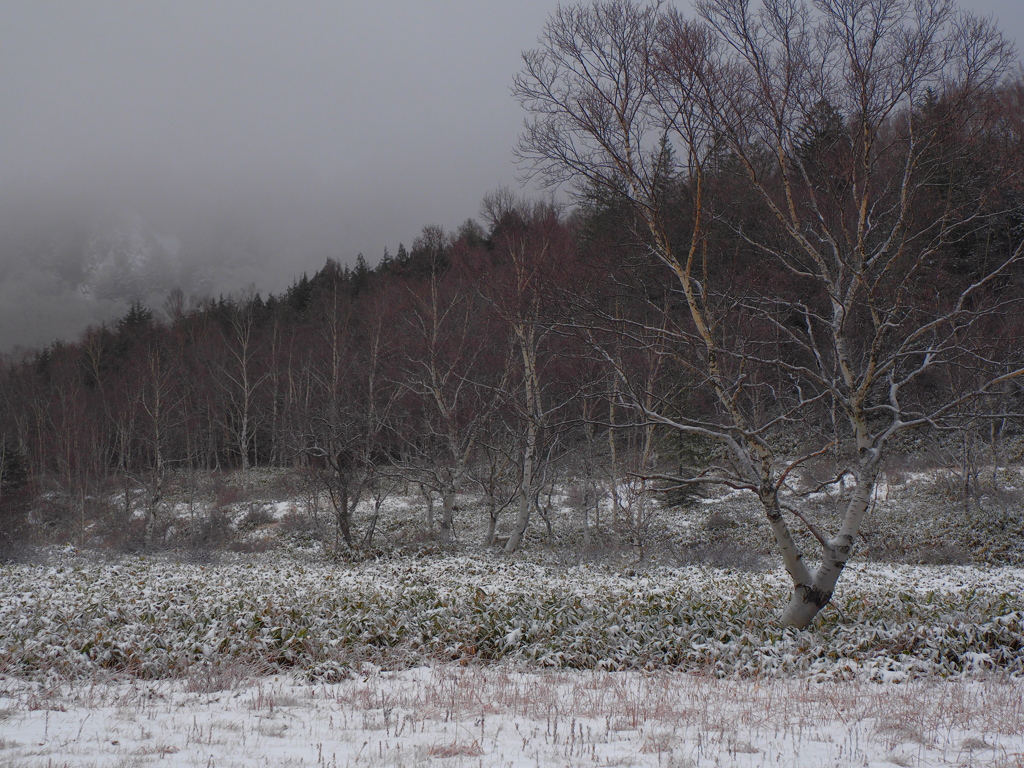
(154, 618)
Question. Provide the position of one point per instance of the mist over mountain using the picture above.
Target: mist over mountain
(78, 253)
(213, 146)
(77, 267)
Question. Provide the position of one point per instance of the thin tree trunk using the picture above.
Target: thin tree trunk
(342, 515)
(492, 520)
(613, 455)
(447, 511)
(368, 539)
(429, 497)
(522, 521)
(525, 494)
(528, 350)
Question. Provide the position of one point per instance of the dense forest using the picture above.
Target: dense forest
(448, 364)
(769, 271)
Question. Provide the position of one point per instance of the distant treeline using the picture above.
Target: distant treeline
(539, 342)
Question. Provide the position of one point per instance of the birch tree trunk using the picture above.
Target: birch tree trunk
(526, 336)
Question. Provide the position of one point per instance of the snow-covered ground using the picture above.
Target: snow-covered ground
(449, 715)
(565, 655)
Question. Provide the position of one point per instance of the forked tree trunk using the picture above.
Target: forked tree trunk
(813, 591)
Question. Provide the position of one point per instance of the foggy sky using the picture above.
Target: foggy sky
(214, 145)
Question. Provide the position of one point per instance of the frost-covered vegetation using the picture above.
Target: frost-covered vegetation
(249, 573)
(153, 618)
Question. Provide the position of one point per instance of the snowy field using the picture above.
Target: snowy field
(451, 715)
(420, 655)
(277, 660)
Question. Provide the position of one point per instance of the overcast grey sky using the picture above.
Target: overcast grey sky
(234, 142)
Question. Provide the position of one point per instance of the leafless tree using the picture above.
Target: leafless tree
(160, 399)
(831, 119)
(531, 242)
(447, 367)
(241, 374)
(347, 407)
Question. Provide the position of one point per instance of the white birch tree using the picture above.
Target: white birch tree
(846, 336)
